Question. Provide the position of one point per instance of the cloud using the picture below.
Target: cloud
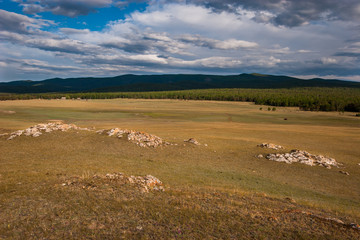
(72, 31)
(18, 23)
(327, 60)
(229, 44)
(351, 50)
(69, 8)
(290, 13)
(180, 38)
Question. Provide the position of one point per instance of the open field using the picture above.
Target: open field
(217, 191)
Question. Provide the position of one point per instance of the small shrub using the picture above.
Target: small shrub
(269, 108)
(357, 115)
(260, 108)
(274, 109)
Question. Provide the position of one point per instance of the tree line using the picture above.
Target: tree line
(308, 99)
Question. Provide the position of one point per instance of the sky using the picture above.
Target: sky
(41, 39)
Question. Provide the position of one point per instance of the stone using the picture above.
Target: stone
(270, 146)
(193, 141)
(345, 173)
(299, 156)
(36, 130)
(142, 139)
(260, 156)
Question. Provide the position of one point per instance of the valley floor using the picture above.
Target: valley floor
(216, 190)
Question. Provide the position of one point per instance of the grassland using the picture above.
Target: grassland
(218, 191)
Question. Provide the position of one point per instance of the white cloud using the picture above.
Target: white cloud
(181, 38)
(327, 60)
(229, 44)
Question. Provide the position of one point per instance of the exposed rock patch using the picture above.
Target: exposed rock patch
(299, 156)
(193, 141)
(270, 146)
(39, 129)
(142, 139)
(145, 184)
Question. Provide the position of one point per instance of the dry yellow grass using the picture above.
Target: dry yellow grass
(226, 173)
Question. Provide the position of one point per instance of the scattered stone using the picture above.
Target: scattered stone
(8, 112)
(343, 172)
(193, 141)
(5, 134)
(303, 157)
(271, 146)
(37, 130)
(329, 219)
(144, 183)
(142, 139)
(205, 145)
(359, 164)
(260, 156)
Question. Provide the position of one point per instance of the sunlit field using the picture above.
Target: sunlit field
(218, 189)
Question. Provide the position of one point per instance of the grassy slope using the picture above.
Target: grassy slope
(215, 191)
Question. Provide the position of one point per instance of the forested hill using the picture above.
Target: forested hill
(139, 83)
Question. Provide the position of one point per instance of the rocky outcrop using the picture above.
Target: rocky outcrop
(145, 184)
(270, 146)
(142, 139)
(299, 156)
(39, 129)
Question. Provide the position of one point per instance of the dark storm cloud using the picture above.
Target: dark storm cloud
(70, 8)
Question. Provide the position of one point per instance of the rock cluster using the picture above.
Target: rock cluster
(144, 183)
(299, 156)
(271, 146)
(142, 139)
(39, 129)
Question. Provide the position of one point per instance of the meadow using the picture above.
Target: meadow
(218, 190)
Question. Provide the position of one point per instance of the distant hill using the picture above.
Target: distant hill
(138, 83)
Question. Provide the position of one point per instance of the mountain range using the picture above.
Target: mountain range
(139, 83)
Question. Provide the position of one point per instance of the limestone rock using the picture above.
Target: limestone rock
(37, 130)
(303, 157)
(143, 183)
(345, 173)
(193, 141)
(142, 139)
(271, 146)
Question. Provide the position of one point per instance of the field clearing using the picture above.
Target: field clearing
(223, 186)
